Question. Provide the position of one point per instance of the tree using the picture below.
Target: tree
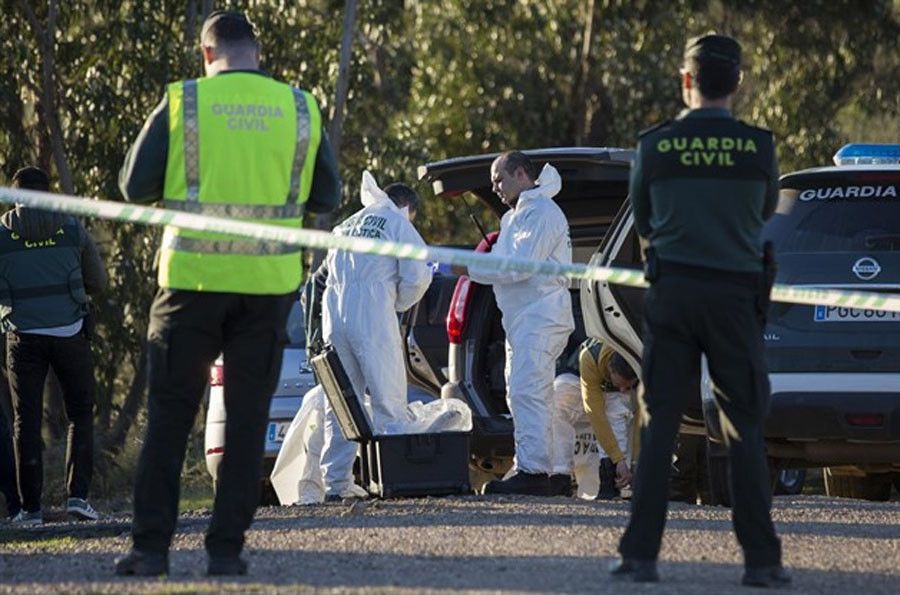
(425, 81)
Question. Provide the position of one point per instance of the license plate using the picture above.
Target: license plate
(842, 314)
(277, 431)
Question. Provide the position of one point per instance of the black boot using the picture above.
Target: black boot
(561, 485)
(769, 577)
(138, 563)
(640, 571)
(608, 489)
(226, 566)
(529, 484)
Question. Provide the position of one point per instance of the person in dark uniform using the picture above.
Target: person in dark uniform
(235, 143)
(702, 186)
(49, 264)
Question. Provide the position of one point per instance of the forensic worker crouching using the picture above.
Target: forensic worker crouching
(537, 319)
(702, 186)
(218, 293)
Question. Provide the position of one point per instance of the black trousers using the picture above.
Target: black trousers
(8, 486)
(187, 332)
(29, 358)
(686, 316)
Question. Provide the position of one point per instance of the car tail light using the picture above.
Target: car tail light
(459, 305)
(216, 375)
(462, 295)
(871, 420)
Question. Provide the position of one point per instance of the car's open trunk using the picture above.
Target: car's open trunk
(595, 183)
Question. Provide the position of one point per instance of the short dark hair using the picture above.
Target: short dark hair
(715, 79)
(620, 366)
(513, 160)
(403, 195)
(227, 28)
(715, 63)
(31, 178)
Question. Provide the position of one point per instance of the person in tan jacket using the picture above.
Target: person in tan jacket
(608, 386)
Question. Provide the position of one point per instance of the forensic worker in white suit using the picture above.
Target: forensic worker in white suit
(537, 319)
(364, 293)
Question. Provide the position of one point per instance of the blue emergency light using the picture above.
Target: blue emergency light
(867, 154)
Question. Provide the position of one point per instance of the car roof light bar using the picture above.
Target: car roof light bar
(867, 154)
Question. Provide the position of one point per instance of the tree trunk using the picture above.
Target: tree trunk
(45, 37)
(114, 440)
(335, 133)
(190, 25)
(579, 99)
(343, 80)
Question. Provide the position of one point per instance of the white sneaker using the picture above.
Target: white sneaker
(81, 509)
(349, 492)
(28, 519)
(354, 491)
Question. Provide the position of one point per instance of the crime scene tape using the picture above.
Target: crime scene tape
(310, 238)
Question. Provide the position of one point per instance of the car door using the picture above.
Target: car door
(424, 327)
(613, 313)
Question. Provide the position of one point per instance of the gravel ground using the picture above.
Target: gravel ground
(477, 544)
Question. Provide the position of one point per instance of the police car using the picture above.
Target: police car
(834, 371)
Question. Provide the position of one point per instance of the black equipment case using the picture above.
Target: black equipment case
(397, 465)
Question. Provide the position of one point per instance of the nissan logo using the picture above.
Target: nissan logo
(866, 268)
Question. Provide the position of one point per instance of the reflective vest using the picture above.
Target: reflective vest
(40, 280)
(242, 146)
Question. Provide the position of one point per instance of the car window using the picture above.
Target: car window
(295, 330)
(824, 219)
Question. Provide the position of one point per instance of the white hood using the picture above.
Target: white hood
(369, 192)
(548, 184)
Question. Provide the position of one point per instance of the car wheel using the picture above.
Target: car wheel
(789, 482)
(872, 486)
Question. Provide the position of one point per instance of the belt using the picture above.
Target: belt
(748, 279)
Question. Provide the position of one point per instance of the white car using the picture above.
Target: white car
(295, 380)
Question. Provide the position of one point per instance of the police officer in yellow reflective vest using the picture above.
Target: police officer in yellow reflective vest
(235, 144)
(702, 186)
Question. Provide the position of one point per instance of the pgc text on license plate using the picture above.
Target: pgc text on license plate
(842, 314)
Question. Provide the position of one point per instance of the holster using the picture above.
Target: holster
(651, 264)
(770, 270)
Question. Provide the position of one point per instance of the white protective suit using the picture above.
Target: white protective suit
(576, 451)
(620, 408)
(363, 295)
(338, 455)
(301, 471)
(537, 316)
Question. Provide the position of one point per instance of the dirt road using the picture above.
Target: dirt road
(473, 544)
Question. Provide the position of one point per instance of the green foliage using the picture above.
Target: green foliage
(430, 80)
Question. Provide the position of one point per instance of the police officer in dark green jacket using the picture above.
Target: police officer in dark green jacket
(48, 266)
(702, 186)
